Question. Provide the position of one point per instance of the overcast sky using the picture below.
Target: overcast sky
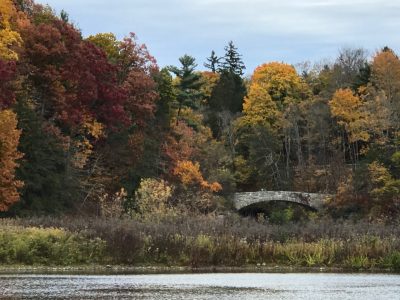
(264, 30)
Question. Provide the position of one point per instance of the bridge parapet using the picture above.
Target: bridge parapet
(313, 200)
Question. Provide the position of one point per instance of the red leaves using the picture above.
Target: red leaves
(73, 78)
(7, 74)
(141, 91)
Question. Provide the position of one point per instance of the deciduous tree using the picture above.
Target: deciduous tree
(10, 39)
(9, 154)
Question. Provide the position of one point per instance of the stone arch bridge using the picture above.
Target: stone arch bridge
(312, 200)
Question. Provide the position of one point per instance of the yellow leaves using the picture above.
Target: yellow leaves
(152, 197)
(280, 80)
(209, 80)
(189, 174)
(259, 108)
(274, 88)
(378, 173)
(8, 37)
(385, 188)
(344, 104)
(351, 114)
(108, 43)
(83, 148)
(9, 139)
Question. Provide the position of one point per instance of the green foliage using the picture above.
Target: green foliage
(228, 93)
(109, 44)
(212, 62)
(50, 184)
(167, 96)
(281, 217)
(50, 246)
(232, 61)
(226, 97)
(358, 262)
(392, 260)
(189, 83)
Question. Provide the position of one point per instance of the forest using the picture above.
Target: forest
(92, 126)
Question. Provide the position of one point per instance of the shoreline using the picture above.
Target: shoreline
(137, 270)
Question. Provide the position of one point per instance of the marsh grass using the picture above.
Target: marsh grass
(47, 246)
(199, 241)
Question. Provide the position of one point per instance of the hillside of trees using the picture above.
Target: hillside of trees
(94, 126)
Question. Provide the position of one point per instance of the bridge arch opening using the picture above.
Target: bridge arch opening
(278, 212)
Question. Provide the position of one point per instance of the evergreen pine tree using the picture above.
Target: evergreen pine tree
(232, 60)
(43, 169)
(212, 62)
(189, 83)
(228, 93)
(227, 96)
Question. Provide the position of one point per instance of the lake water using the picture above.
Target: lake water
(202, 286)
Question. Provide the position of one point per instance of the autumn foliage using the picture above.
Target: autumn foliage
(10, 39)
(348, 109)
(9, 154)
(91, 125)
(189, 174)
(7, 75)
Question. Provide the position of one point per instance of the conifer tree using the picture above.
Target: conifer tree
(212, 62)
(232, 60)
(189, 83)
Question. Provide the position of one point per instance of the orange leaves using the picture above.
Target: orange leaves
(386, 72)
(349, 111)
(344, 105)
(179, 144)
(182, 147)
(214, 187)
(94, 128)
(9, 138)
(189, 174)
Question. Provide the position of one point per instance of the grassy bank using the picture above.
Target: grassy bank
(197, 242)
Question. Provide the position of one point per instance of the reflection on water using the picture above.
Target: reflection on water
(202, 286)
